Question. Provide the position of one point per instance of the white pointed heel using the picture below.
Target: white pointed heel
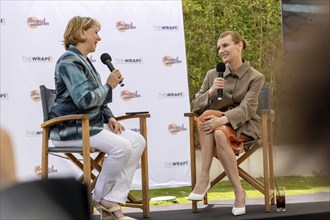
(239, 211)
(194, 196)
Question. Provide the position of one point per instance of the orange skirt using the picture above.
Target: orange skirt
(236, 143)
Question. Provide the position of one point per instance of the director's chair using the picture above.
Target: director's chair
(89, 165)
(267, 186)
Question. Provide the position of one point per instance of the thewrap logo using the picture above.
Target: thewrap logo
(171, 95)
(129, 60)
(4, 95)
(33, 133)
(168, 61)
(135, 129)
(34, 22)
(2, 20)
(174, 128)
(31, 59)
(176, 164)
(37, 170)
(166, 28)
(122, 26)
(127, 95)
(91, 59)
(35, 95)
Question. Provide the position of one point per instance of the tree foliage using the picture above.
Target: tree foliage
(258, 21)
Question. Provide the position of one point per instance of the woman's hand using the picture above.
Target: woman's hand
(211, 122)
(115, 126)
(218, 83)
(114, 78)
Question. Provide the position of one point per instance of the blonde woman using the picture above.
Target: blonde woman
(79, 90)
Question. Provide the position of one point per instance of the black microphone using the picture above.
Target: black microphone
(221, 67)
(106, 59)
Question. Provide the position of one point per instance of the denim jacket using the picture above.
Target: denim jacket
(79, 91)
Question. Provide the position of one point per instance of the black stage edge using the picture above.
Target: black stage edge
(296, 211)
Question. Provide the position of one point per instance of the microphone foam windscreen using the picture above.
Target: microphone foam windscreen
(221, 67)
(105, 57)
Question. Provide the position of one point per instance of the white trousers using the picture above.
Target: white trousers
(123, 156)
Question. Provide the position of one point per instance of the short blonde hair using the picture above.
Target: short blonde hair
(75, 25)
(236, 37)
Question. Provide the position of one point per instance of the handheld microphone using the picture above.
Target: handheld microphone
(221, 67)
(106, 59)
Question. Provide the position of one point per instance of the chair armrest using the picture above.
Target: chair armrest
(124, 117)
(60, 119)
(270, 114)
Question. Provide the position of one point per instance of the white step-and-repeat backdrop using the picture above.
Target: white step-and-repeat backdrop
(146, 42)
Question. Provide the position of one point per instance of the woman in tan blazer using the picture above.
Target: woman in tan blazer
(225, 124)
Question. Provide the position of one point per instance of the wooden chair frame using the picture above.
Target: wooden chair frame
(267, 187)
(89, 164)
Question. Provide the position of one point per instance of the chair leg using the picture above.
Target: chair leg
(251, 180)
(87, 160)
(144, 170)
(145, 184)
(271, 164)
(192, 160)
(265, 151)
(193, 178)
(44, 157)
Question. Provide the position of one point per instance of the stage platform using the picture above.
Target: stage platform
(301, 207)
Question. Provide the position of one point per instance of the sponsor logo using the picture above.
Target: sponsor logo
(2, 20)
(122, 26)
(171, 95)
(4, 95)
(129, 60)
(127, 95)
(169, 61)
(38, 171)
(135, 129)
(166, 28)
(35, 95)
(31, 59)
(174, 128)
(33, 133)
(34, 22)
(176, 164)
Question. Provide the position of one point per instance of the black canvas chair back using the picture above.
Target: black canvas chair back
(47, 100)
(264, 101)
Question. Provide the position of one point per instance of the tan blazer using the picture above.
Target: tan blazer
(239, 101)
